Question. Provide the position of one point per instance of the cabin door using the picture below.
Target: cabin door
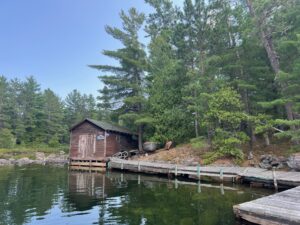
(87, 145)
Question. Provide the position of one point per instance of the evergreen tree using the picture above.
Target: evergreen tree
(52, 126)
(3, 102)
(165, 92)
(31, 110)
(126, 85)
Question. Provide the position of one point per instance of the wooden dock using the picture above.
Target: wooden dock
(88, 164)
(277, 209)
(233, 174)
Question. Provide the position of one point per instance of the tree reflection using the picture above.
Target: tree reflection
(34, 193)
(29, 191)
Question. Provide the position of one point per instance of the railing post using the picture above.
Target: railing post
(122, 166)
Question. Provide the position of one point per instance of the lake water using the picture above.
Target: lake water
(53, 195)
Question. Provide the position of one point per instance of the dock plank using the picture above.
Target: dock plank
(280, 208)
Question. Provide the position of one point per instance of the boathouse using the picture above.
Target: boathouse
(93, 141)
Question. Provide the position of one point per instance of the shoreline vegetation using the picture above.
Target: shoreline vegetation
(216, 74)
(34, 155)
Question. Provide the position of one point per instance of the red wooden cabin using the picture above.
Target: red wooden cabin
(93, 140)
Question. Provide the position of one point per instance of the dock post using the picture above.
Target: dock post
(198, 171)
(221, 175)
(139, 166)
(199, 186)
(108, 165)
(122, 166)
(176, 170)
(222, 189)
(274, 179)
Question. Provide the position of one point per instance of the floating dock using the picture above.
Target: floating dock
(278, 209)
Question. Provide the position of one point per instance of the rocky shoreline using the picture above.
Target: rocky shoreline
(40, 158)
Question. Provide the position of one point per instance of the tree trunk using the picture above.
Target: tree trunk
(196, 125)
(140, 138)
(267, 139)
(266, 38)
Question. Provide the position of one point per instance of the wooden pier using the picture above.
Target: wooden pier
(232, 174)
(278, 209)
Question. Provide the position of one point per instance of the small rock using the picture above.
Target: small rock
(294, 161)
(282, 159)
(40, 156)
(265, 165)
(261, 158)
(168, 145)
(265, 161)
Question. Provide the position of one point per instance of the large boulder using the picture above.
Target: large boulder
(270, 161)
(294, 161)
(150, 146)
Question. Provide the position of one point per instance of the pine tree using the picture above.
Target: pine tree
(74, 108)
(126, 84)
(3, 102)
(165, 84)
(52, 127)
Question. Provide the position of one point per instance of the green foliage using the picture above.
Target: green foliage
(123, 90)
(228, 143)
(7, 139)
(54, 142)
(199, 143)
(210, 157)
(224, 116)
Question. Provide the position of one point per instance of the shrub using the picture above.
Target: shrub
(54, 142)
(7, 139)
(199, 142)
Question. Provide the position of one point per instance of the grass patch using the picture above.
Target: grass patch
(199, 143)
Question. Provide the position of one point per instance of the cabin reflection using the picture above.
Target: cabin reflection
(87, 189)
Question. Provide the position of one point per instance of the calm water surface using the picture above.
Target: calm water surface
(52, 195)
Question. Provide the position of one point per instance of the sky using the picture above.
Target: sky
(56, 40)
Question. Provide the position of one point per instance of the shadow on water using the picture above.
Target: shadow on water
(47, 195)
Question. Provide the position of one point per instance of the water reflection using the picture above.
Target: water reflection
(48, 195)
(86, 189)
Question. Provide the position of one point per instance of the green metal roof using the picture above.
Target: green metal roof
(106, 126)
